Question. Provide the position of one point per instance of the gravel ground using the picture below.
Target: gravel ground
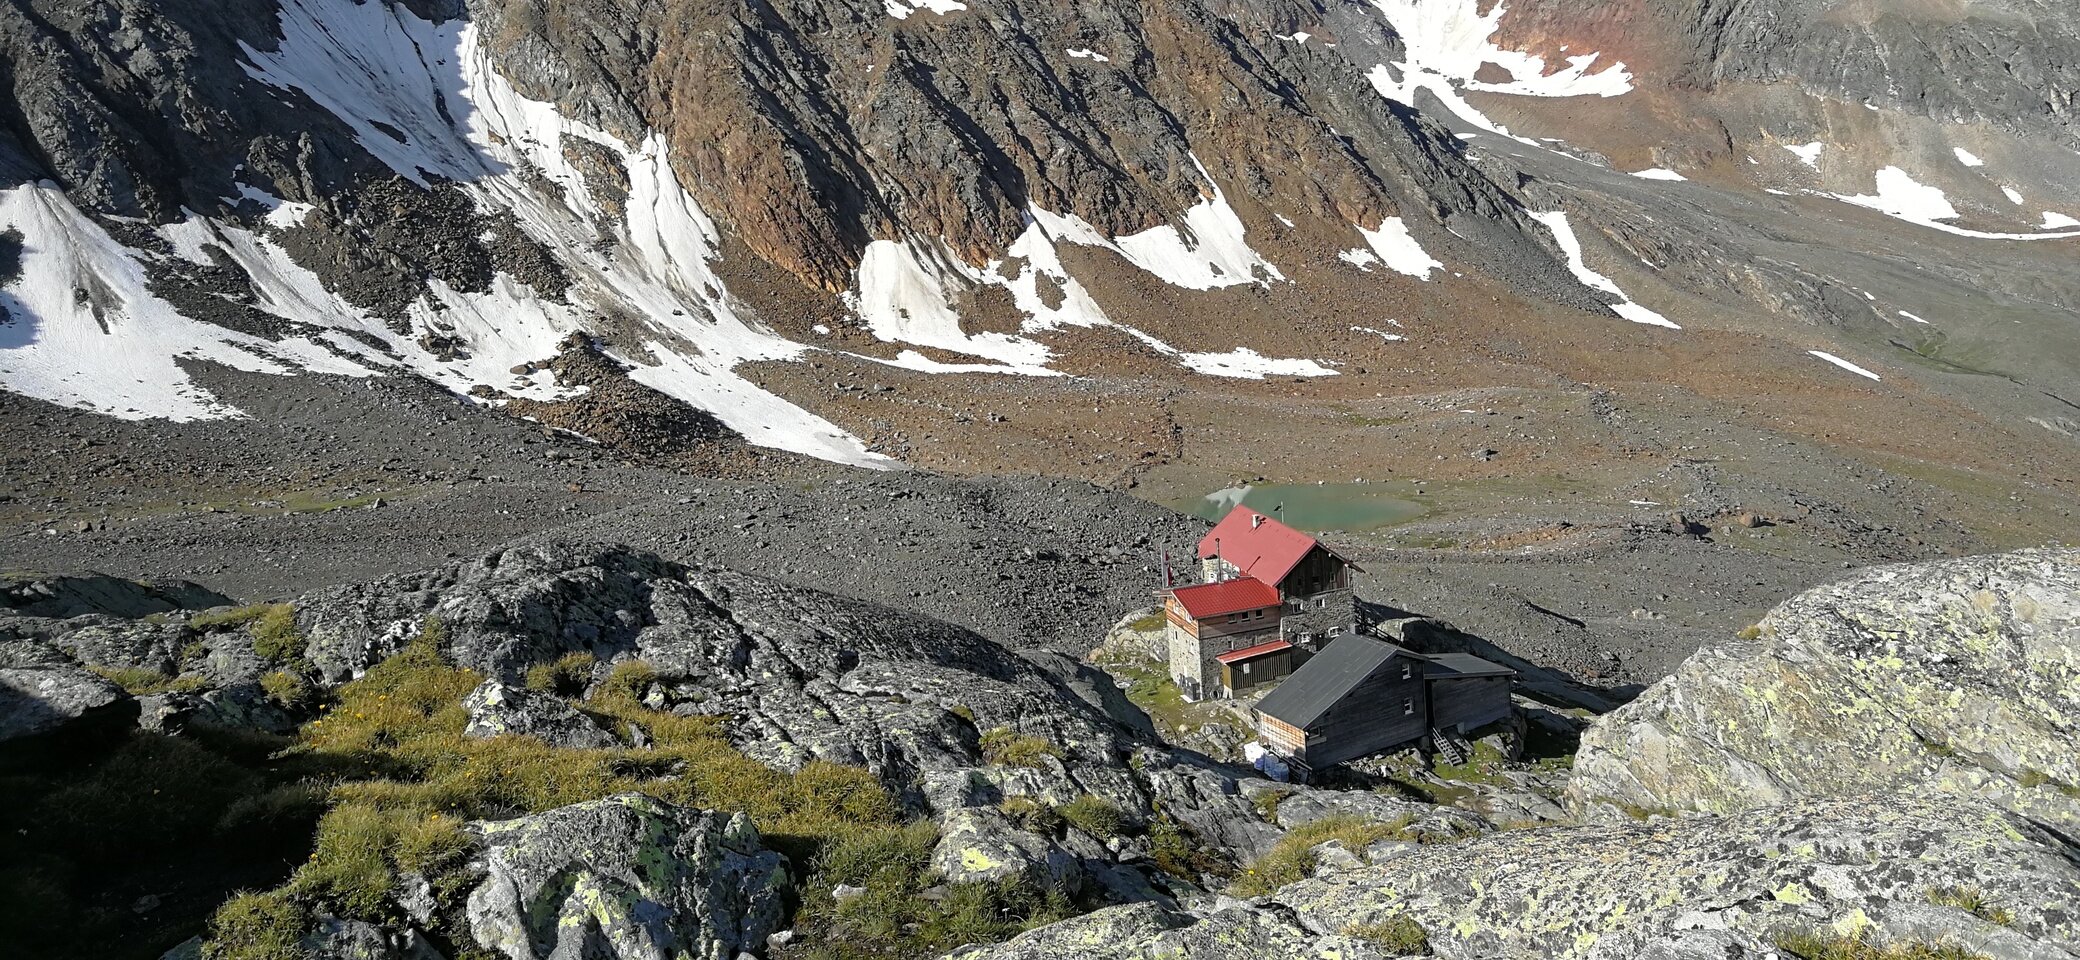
(340, 480)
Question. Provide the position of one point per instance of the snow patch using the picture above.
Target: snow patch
(1447, 42)
(1912, 317)
(2058, 221)
(1242, 363)
(1844, 364)
(280, 213)
(1382, 334)
(1086, 53)
(906, 296)
(1659, 174)
(1396, 248)
(902, 298)
(1564, 235)
(1967, 158)
(1209, 251)
(2014, 195)
(83, 328)
(902, 9)
(1808, 154)
(1900, 195)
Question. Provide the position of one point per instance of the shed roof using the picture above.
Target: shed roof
(1326, 678)
(1225, 596)
(1256, 544)
(1452, 665)
(1251, 653)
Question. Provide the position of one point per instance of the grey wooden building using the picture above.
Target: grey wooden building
(1360, 696)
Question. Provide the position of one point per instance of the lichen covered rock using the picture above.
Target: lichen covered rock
(1692, 888)
(982, 846)
(499, 709)
(1960, 677)
(626, 878)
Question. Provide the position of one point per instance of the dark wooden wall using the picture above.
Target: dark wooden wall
(1471, 701)
(1315, 573)
(1370, 718)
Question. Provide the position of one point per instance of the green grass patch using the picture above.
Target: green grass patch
(1149, 687)
(1032, 815)
(1005, 747)
(567, 676)
(1483, 766)
(1971, 900)
(1293, 858)
(144, 682)
(1150, 621)
(404, 779)
(903, 911)
(1399, 937)
(1267, 803)
(1095, 815)
(1834, 946)
(256, 926)
(1175, 851)
(226, 617)
(288, 690)
(271, 625)
(274, 634)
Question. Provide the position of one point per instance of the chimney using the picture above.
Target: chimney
(1256, 520)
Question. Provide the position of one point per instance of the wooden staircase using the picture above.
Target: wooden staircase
(1447, 748)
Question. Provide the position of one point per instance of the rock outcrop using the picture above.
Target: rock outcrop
(627, 878)
(983, 846)
(498, 709)
(1957, 677)
(43, 694)
(1696, 887)
(803, 675)
(61, 597)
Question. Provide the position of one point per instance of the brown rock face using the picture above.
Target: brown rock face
(812, 127)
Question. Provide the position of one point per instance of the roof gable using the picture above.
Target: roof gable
(1326, 678)
(1225, 596)
(1256, 544)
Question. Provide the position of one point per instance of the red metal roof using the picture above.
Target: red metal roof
(1251, 653)
(1257, 545)
(1227, 596)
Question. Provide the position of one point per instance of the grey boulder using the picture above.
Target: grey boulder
(1959, 677)
(499, 709)
(978, 845)
(626, 878)
(43, 692)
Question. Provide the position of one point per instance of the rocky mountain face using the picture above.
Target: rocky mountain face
(450, 190)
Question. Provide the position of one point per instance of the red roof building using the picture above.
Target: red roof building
(1273, 597)
(1208, 600)
(1258, 546)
